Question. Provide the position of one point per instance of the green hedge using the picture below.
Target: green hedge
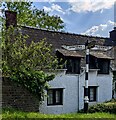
(111, 101)
(103, 107)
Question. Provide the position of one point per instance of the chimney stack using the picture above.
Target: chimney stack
(113, 32)
(11, 18)
(113, 35)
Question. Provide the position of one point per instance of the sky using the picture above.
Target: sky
(90, 17)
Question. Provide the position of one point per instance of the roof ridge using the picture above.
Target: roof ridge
(61, 32)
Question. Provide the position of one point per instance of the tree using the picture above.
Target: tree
(31, 16)
(25, 63)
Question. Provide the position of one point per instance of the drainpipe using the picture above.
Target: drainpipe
(78, 92)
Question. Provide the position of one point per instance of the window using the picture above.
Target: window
(103, 65)
(73, 65)
(55, 96)
(99, 63)
(92, 62)
(92, 93)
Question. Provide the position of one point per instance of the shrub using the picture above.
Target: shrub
(103, 107)
(112, 100)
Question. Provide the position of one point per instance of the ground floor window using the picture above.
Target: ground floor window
(92, 93)
(55, 96)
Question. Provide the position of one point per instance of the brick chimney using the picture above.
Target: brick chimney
(11, 18)
(113, 35)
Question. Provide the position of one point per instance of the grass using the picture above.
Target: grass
(15, 114)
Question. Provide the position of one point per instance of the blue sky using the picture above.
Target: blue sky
(90, 17)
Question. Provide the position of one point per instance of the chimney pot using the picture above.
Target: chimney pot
(114, 28)
(11, 18)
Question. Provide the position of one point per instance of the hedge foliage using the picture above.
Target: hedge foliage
(111, 101)
(108, 107)
(103, 107)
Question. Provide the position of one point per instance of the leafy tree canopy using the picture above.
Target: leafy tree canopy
(25, 63)
(29, 15)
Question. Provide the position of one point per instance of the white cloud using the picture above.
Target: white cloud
(81, 5)
(54, 7)
(50, 1)
(100, 30)
(90, 5)
(47, 9)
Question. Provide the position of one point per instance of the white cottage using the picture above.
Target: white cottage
(66, 92)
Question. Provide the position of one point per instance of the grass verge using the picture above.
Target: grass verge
(15, 114)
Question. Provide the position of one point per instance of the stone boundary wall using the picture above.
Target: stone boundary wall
(18, 97)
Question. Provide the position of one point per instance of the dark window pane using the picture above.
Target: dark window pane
(73, 66)
(50, 97)
(69, 66)
(91, 93)
(92, 62)
(103, 65)
(55, 97)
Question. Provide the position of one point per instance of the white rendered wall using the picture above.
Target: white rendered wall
(105, 87)
(70, 95)
(73, 94)
(103, 83)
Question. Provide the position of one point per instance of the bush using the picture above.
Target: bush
(112, 100)
(103, 107)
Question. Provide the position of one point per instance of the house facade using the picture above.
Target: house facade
(66, 92)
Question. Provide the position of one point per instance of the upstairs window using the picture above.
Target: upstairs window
(92, 62)
(55, 96)
(73, 65)
(103, 66)
(99, 63)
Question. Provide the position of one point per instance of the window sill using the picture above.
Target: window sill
(55, 105)
(93, 69)
(103, 73)
(72, 74)
(92, 101)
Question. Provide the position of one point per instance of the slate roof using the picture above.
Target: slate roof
(101, 55)
(69, 53)
(58, 39)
